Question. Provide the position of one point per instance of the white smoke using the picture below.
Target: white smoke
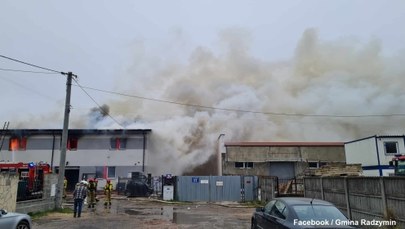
(340, 77)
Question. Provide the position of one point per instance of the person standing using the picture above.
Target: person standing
(92, 193)
(108, 188)
(79, 194)
(65, 183)
(96, 184)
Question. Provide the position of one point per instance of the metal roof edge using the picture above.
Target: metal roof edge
(376, 136)
(72, 131)
(361, 139)
(285, 144)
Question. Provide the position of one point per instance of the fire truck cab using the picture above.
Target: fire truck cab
(398, 162)
(31, 177)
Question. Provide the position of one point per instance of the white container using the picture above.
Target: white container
(168, 192)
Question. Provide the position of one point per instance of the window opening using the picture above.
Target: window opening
(17, 143)
(391, 147)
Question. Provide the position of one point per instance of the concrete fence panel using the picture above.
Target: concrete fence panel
(367, 198)
(8, 191)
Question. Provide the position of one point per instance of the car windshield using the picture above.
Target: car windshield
(318, 212)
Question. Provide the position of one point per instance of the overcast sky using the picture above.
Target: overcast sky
(186, 51)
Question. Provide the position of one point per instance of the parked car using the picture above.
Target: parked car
(297, 212)
(13, 220)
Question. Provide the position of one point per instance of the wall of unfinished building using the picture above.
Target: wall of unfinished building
(291, 158)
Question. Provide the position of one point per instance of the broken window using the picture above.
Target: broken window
(17, 143)
(313, 165)
(248, 164)
(244, 165)
(72, 144)
(239, 165)
(118, 143)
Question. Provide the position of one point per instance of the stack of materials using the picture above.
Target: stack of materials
(336, 169)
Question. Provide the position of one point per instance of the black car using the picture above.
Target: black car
(296, 212)
(137, 188)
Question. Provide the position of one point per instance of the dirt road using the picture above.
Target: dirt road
(149, 213)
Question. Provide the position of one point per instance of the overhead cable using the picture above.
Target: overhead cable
(32, 65)
(25, 71)
(98, 105)
(245, 111)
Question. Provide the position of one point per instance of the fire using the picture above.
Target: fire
(14, 143)
(18, 144)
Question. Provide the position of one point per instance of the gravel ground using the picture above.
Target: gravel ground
(151, 213)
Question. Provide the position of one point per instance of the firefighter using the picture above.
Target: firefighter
(108, 188)
(92, 193)
(96, 184)
(65, 183)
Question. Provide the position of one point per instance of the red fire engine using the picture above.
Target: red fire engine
(31, 177)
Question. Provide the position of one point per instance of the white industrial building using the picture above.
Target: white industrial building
(374, 153)
(100, 153)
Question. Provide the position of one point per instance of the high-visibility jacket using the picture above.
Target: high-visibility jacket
(108, 188)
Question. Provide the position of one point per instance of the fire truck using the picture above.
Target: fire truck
(398, 162)
(31, 178)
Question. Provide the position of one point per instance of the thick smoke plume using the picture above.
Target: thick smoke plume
(323, 78)
(287, 100)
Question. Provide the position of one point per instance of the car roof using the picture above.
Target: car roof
(302, 201)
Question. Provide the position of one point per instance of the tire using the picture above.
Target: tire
(23, 225)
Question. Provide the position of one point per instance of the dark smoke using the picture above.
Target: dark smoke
(97, 114)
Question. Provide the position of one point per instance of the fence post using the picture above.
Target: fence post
(383, 198)
(322, 191)
(347, 197)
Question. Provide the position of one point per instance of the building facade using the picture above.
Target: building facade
(375, 153)
(103, 154)
(284, 160)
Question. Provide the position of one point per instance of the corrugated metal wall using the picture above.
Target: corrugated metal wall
(215, 188)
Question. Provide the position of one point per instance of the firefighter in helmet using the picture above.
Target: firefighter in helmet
(96, 184)
(65, 183)
(92, 193)
(108, 188)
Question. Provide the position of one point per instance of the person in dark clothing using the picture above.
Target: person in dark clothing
(79, 194)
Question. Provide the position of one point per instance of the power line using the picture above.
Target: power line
(245, 111)
(98, 105)
(25, 71)
(32, 65)
(55, 72)
(195, 105)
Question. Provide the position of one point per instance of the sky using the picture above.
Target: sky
(192, 70)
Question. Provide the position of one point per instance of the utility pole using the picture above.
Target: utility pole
(219, 154)
(62, 164)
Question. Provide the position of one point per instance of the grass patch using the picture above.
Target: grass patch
(37, 215)
(253, 204)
